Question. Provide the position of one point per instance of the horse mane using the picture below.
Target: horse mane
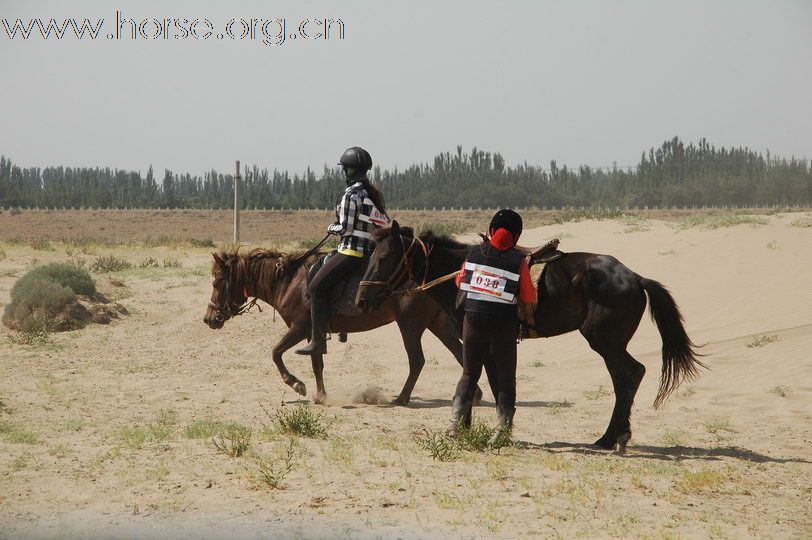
(428, 237)
(260, 266)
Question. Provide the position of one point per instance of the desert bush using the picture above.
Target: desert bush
(234, 440)
(149, 262)
(42, 244)
(68, 275)
(36, 295)
(271, 471)
(301, 421)
(162, 428)
(780, 390)
(41, 294)
(760, 341)
(477, 438)
(719, 222)
(580, 214)
(203, 429)
(202, 243)
(33, 331)
(109, 263)
(133, 437)
(439, 445)
(15, 434)
(171, 263)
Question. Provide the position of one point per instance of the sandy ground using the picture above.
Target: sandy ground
(729, 456)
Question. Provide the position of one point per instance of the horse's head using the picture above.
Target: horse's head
(389, 267)
(227, 294)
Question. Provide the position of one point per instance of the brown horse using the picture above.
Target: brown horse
(594, 294)
(280, 279)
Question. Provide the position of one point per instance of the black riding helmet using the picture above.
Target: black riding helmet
(509, 220)
(356, 158)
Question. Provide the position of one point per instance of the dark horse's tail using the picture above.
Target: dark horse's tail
(679, 357)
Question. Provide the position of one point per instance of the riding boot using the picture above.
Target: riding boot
(319, 319)
(460, 416)
(505, 427)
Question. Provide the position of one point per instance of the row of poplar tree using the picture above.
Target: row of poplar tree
(675, 174)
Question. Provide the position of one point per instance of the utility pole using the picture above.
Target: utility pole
(237, 204)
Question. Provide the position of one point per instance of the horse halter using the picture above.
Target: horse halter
(229, 308)
(394, 282)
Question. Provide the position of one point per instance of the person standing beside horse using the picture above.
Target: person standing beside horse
(360, 211)
(496, 279)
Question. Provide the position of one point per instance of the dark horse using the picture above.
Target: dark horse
(280, 280)
(595, 294)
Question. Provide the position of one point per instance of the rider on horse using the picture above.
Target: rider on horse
(360, 211)
(495, 277)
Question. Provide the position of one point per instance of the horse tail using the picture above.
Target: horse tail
(679, 356)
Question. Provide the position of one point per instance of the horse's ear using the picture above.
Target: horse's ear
(217, 257)
(395, 229)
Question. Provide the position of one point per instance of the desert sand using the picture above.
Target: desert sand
(728, 456)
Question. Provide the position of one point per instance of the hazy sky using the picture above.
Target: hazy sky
(582, 82)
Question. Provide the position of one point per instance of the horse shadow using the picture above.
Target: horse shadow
(666, 453)
(419, 403)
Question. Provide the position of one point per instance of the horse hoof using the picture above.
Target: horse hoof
(320, 399)
(401, 402)
(622, 441)
(605, 443)
(300, 388)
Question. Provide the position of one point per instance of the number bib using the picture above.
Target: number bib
(485, 282)
(490, 284)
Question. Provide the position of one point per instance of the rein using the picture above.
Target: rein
(405, 267)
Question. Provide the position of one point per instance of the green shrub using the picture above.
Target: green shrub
(109, 263)
(300, 420)
(202, 243)
(68, 275)
(271, 471)
(37, 294)
(33, 331)
(579, 214)
(234, 440)
(439, 445)
(42, 244)
(203, 429)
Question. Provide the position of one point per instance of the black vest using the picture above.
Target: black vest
(492, 282)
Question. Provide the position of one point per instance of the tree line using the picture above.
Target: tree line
(674, 174)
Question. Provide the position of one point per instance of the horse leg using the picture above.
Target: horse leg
(411, 334)
(626, 373)
(294, 335)
(440, 326)
(318, 370)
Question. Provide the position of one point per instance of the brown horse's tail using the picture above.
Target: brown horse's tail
(679, 357)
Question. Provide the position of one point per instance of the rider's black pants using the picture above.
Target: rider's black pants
(489, 341)
(334, 270)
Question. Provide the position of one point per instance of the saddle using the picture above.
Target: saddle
(542, 254)
(341, 297)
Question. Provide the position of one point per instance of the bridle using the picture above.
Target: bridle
(404, 270)
(229, 308)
